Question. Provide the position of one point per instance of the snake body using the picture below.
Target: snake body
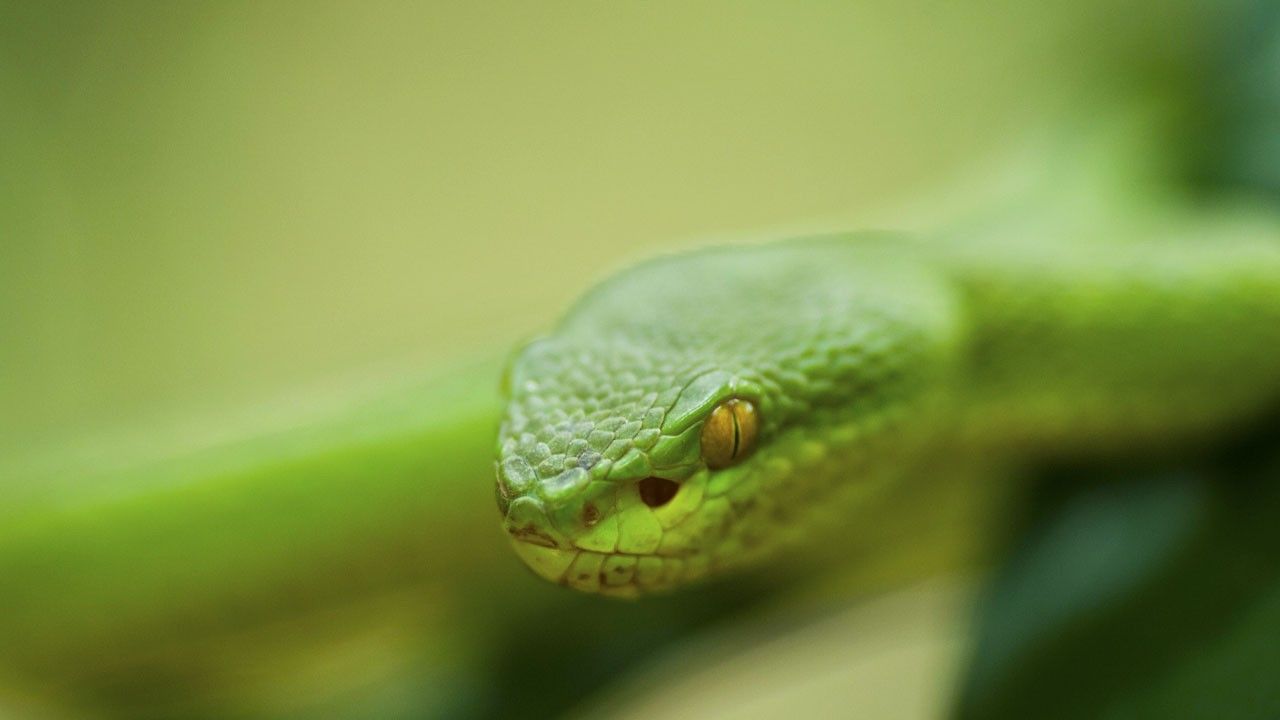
(863, 354)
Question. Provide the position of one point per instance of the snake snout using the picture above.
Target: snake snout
(536, 540)
(527, 521)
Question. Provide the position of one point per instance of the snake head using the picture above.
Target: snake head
(688, 415)
(601, 475)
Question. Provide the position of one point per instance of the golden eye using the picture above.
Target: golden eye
(729, 433)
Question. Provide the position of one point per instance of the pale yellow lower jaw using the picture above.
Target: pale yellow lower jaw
(620, 591)
(550, 563)
(558, 566)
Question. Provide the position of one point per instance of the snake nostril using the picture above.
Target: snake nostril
(503, 495)
(656, 491)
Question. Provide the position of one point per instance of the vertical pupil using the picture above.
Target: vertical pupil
(737, 431)
(729, 433)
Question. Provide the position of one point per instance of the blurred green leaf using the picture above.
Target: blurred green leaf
(1149, 597)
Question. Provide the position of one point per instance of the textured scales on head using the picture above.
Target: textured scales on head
(832, 344)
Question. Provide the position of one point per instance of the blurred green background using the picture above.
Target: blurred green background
(204, 203)
(222, 218)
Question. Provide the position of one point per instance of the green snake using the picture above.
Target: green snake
(761, 398)
(703, 412)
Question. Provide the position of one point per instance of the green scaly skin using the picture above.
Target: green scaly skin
(865, 355)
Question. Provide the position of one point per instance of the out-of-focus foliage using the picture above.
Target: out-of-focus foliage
(1139, 594)
(1239, 106)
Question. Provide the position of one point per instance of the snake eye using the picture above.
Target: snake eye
(729, 433)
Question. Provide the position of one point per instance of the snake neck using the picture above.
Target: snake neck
(1114, 345)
